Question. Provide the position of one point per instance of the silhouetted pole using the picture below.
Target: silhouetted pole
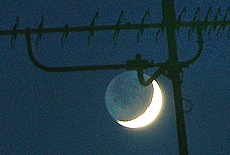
(174, 72)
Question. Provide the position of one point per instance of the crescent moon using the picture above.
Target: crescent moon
(150, 113)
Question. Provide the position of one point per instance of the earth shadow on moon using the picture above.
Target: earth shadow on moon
(126, 98)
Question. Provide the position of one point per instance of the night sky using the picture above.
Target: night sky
(65, 113)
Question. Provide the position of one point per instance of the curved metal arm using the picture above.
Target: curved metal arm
(65, 69)
(182, 64)
(200, 43)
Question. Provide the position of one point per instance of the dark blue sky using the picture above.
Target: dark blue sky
(65, 113)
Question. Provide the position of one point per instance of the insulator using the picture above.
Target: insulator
(208, 13)
(117, 31)
(193, 20)
(64, 35)
(196, 14)
(227, 13)
(141, 30)
(160, 31)
(14, 34)
(223, 26)
(39, 36)
(180, 16)
(91, 32)
(218, 14)
(206, 17)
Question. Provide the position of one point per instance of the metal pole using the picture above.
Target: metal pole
(174, 72)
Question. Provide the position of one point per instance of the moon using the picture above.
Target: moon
(151, 112)
(131, 104)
